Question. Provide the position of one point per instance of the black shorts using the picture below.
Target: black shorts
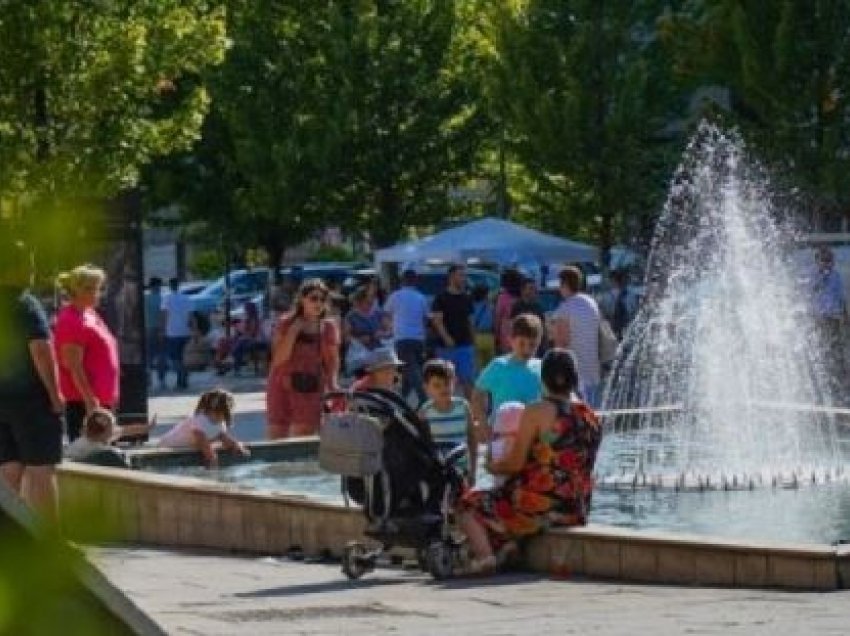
(30, 435)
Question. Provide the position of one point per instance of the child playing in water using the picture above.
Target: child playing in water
(211, 422)
(448, 415)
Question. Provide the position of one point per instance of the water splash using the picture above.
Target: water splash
(725, 333)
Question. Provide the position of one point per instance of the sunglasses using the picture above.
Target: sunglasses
(316, 298)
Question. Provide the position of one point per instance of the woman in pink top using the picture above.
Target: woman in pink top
(87, 350)
(305, 364)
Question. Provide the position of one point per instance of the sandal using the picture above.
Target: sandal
(507, 554)
(482, 566)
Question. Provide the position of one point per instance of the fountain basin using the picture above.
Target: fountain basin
(187, 512)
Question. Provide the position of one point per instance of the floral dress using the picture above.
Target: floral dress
(553, 488)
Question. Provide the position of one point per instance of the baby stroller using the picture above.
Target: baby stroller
(390, 466)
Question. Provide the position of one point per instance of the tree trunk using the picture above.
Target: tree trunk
(389, 221)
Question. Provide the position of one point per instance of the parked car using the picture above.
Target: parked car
(243, 285)
(356, 278)
(192, 287)
(331, 273)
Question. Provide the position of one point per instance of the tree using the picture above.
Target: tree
(582, 93)
(269, 161)
(414, 123)
(786, 66)
(89, 92)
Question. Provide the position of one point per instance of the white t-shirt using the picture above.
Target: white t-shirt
(177, 308)
(409, 309)
(181, 435)
(582, 315)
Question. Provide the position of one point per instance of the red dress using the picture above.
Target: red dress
(288, 412)
(553, 488)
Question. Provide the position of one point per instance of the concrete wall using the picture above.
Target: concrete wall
(170, 511)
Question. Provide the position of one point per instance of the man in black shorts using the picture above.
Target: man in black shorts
(30, 402)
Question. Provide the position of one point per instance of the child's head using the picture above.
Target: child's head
(439, 378)
(99, 426)
(526, 331)
(217, 405)
(507, 418)
(382, 365)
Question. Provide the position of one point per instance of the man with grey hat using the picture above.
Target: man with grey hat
(379, 370)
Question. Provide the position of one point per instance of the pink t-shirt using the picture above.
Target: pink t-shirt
(86, 329)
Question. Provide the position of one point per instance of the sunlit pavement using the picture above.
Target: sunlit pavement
(197, 593)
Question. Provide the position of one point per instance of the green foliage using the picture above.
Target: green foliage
(414, 123)
(207, 263)
(90, 91)
(785, 64)
(582, 93)
(332, 253)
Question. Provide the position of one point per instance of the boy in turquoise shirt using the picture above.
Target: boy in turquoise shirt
(514, 377)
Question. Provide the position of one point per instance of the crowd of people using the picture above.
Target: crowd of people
(500, 372)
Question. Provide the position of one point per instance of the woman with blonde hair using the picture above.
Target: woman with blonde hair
(305, 363)
(89, 369)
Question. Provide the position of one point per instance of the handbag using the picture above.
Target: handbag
(304, 381)
(608, 343)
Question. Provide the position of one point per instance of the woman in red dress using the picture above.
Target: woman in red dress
(549, 468)
(305, 364)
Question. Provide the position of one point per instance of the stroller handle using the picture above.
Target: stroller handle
(456, 454)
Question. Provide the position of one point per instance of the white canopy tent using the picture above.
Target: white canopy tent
(492, 240)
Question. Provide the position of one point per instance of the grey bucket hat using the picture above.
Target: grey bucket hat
(380, 359)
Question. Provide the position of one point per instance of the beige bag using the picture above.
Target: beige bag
(351, 444)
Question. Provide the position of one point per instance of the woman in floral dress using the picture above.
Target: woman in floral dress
(549, 469)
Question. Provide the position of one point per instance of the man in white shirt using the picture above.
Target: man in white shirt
(176, 310)
(575, 326)
(409, 310)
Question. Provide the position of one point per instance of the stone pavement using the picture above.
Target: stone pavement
(197, 593)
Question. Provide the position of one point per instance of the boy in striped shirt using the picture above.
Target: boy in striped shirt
(448, 415)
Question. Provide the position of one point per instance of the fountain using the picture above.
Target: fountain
(720, 381)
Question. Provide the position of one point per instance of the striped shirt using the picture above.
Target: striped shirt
(447, 426)
(582, 314)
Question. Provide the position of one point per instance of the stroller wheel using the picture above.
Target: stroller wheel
(440, 560)
(355, 562)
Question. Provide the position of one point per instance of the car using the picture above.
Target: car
(334, 274)
(243, 284)
(357, 277)
(192, 287)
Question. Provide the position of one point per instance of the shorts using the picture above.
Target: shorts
(31, 435)
(463, 358)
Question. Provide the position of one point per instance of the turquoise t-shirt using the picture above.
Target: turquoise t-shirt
(507, 379)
